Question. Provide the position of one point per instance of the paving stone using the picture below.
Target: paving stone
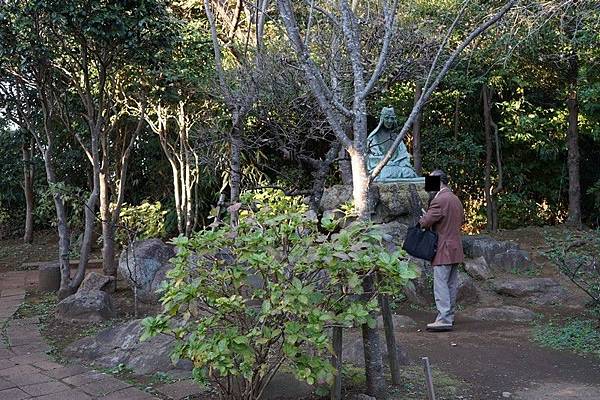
(6, 353)
(4, 384)
(6, 313)
(29, 379)
(40, 360)
(104, 386)
(179, 390)
(25, 340)
(65, 372)
(31, 348)
(10, 305)
(16, 292)
(129, 394)
(85, 378)
(19, 370)
(72, 394)
(13, 394)
(45, 388)
(6, 363)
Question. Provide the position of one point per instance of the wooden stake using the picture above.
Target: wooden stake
(390, 338)
(336, 361)
(428, 379)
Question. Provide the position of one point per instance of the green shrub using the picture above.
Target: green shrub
(242, 302)
(516, 210)
(143, 221)
(74, 198)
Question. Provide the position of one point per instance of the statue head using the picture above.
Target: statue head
(388, 117)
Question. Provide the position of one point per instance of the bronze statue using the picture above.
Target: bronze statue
(379, 142)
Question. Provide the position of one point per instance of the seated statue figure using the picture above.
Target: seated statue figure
(379, 142)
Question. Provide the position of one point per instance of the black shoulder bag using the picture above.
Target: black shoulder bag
(420, 243)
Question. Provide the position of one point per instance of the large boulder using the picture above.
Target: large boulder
(506, 313)
(121, 345)
(541, 291)
(467, 290)
(91, 305)
(478, 268)
(96, 281)
(420, 290)
(145, 266)
(500, 255)
(394, 232)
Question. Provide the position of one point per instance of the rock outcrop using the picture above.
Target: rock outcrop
(541, 291)
(145, 267)
(90, 305)
(121, 345)
(506, 313)
(391, 201)
(96, 281)
(503, 256)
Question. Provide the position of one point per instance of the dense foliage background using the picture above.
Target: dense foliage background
(526, 71)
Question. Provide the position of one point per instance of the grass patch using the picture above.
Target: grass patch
(528, 270)
(40, 305)
(577, 335)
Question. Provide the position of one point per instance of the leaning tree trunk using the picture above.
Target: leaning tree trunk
(235, 165)
(416, 141)
(108, 228)
(28, 190)
(64, 234)
(90, 220)
(489, 199)
(319, 176)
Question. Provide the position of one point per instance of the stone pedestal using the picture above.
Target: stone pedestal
(49, 277)
(391, 201)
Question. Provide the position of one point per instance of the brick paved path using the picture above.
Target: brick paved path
(26, 372)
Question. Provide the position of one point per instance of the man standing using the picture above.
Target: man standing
(445, 216)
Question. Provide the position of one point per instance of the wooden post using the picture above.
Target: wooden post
(336, 361)
(428, 380)
(390, 338)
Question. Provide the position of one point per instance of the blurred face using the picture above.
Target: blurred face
(433, 193)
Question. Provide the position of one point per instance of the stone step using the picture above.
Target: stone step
(72, 263)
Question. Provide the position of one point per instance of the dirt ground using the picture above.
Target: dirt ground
(500, 357)
(13, 252)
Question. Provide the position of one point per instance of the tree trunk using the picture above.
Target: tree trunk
(375, 380)
(28, 190)
(416, 142)
(489, 199)
(235, 164)
(390, 339)
(90, 219)
(64, 234)
(108, 230)
(336, 361)
(177, 195)
(321, 174)
(360, 183)
(574, 217)
(345, 167)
